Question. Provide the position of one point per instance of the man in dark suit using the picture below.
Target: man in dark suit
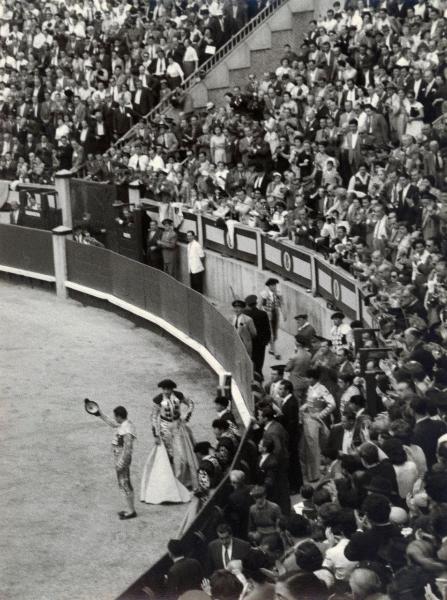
(226, 548)
(64, 153)
(404, 197)
(377, 532)
(100, 138)
(430, 98)
(238, 504)
(122, 119)
(141, 102)
(262, 324)
(154, 256)
(185, 574)
(426, 431)
(305, 330)
(275, 430)
(342, 437)
(417, 85)
(237, 15)
(221, 27)
(261, 180)
(369, 455)
(289, 420)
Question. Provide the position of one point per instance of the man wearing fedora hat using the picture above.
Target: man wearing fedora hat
(263, 332)
(168, 245)
(244, 325)
(304, 329)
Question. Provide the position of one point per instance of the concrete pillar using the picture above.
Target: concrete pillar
(134, 193)
(62, 185)
(259, 249)
(359, 302)
(200, 230)
(313, 274)
(60, 235)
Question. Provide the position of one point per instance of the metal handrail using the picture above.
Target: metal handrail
(209, 64)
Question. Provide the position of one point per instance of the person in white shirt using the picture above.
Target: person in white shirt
(338, 537)
(196, 267)
(156, 163)
(341, 333)
(138, 161)
(174, 73)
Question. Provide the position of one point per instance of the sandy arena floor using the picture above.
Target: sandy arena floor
(60, 534)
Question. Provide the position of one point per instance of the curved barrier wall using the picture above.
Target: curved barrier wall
(26, 251)
(137, 288)
(164, 298)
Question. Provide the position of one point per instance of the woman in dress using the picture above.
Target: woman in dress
(217, 146)
(168, 427)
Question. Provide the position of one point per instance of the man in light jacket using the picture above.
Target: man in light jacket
(244, 325)
(196, 267)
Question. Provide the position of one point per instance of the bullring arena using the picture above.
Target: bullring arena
(223, 300)
(61, 537)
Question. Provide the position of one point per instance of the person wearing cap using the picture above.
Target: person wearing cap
(169, 248)
(298, 365)
(271, 388)
(340, 332)
(122, 447)
(168, 428)
(263, 332)
(305, 330)
(271, 301)
(244, 325)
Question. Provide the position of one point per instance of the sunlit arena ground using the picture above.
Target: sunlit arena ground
(60, 534)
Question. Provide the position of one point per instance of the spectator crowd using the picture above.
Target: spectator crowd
(342, 148)
(76, 75)
(328, 498)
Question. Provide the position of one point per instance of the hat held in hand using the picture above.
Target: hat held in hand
(91, 407)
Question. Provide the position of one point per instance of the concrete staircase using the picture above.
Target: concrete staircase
(260, 51)
(256, 48)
